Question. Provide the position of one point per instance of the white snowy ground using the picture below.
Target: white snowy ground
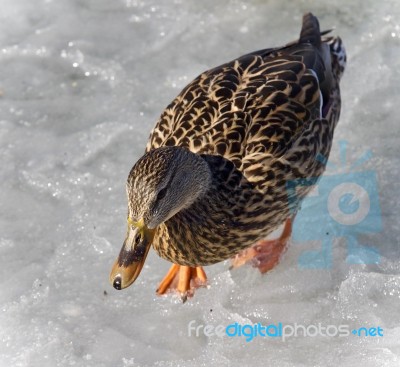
(82, 83)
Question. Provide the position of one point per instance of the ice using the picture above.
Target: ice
(81, 85)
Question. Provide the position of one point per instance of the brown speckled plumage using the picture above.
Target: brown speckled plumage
(258, 122)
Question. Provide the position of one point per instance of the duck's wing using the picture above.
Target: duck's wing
(293, 140)
(255, 107)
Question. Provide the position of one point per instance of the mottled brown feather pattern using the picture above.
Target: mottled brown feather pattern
(257, 122)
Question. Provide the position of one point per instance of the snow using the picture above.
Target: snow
(82, 83)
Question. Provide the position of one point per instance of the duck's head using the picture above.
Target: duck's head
(163, 182)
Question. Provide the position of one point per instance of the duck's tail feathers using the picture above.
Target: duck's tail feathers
(338, 55)
(310, 32)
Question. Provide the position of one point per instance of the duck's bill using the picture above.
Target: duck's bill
(131, 259)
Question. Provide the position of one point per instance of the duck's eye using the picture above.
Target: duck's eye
(161, 194)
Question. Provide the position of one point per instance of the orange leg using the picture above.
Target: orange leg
(265, 254)
(184, 279)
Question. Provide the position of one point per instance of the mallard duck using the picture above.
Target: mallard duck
(212, 183)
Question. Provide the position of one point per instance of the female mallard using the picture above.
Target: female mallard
(213, 180)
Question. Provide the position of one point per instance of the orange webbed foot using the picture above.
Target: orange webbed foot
(183, 279)
(265, 254)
